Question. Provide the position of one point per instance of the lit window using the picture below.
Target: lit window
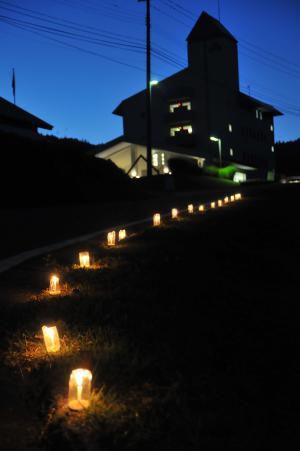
(230, 128)
(239, 177)
(155, 159)
(231, 152)
(273, 149)
(185, 105)
(271, 128)
(259, 115)
(162, 158)
(183, 129)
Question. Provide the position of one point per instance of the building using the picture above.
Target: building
(16, 120)
(199, 113)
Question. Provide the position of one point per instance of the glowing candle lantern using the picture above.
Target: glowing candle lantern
(84, 260)
(201, 208)
(51, 338)
(54, 287)
(156, 219)
(226, 200)
(111, 238)
(213, 204)
(174, 213)
(220, 203)
(191, 208)
(80, 389)
(122, 234)
(232, 198)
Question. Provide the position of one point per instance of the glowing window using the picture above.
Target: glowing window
(273, 149)
(231, 152)
(162, 158)
(259, 115)
(271, 128)
(230, 127)
(183, 129)
(155, 159)
(185, 105)
(239, 177)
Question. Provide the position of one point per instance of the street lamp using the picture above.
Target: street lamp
(218, 140)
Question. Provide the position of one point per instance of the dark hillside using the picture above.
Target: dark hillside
(49, 171)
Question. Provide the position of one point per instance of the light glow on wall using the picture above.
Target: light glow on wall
(201, 208)
(213, 205)
(51, 338)
(232, 198)
(220, 203)
(238, 196)
(80, 389)
(226, 200)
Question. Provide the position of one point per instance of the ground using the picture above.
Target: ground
(190, 329)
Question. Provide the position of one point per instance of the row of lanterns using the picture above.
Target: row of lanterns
(201, 208)
(81, 379)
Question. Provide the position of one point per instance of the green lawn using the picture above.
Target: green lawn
(190, 331)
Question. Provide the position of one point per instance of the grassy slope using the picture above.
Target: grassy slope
(190, 331)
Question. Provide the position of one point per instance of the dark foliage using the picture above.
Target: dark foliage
(288, 157)
(184, 166)
(50, 170)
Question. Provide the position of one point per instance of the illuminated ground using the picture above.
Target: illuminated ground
(190, 331)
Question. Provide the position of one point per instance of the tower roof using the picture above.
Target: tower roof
(207, 27)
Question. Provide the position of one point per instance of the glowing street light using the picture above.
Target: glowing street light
(218, 140)
(80, 389)
(51, 338)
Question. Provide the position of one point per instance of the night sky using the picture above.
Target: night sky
(76, 89)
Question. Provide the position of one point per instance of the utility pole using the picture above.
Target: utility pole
(148, 89)
(219, 10)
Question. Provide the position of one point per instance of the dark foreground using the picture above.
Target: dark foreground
(191, 332)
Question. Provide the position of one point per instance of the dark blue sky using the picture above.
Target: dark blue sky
(77, 91)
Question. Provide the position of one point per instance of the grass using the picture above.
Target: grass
(186, 328)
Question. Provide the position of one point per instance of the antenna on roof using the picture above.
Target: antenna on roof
(219, 10)
(13, 85)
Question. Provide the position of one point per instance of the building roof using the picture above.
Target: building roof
(264, 107)
(120, 108)
(207, 27)
(14, 113)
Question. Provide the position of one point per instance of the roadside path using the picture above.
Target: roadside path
(28, 233)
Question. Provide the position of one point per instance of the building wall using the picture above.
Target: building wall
(211, 85)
